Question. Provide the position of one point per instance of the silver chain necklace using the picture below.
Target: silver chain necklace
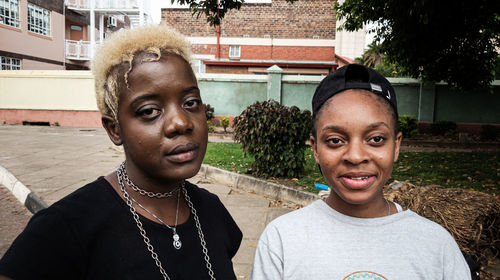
(177, 242)
(142, 191)
(120, 176)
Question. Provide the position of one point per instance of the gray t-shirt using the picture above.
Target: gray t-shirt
(317, 242)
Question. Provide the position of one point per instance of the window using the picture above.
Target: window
(9, 12)
(234, 51)
(38, 20)
(198, 66)
(9, 63)
(76, 27)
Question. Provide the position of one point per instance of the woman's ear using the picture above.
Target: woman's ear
(113, 129)
(314, 147)
(399, 138)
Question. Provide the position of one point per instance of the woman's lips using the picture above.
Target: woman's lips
(357, 182)
(183, 153)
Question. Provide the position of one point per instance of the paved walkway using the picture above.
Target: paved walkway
(54, 161)
(13, 218)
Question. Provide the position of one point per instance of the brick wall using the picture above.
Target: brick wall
(271, 52)
(227, 69)
(304, 19)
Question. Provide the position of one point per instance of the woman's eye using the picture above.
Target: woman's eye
(193, 103)
(377, 139)
(148, 112)
(335, 141)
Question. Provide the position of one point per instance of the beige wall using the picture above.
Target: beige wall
(47, 90)
(37, 65)
(19, 40)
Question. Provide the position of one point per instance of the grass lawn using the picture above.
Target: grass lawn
(478, 171)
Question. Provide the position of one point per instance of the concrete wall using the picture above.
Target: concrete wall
(47, 90)
(478, 106)
(57, 97)
(67, 97)
(231, 94)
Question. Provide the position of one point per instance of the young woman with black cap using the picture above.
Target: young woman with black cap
(355, 233)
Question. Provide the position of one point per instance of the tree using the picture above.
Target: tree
(453, 41)
(372, 56)
(214, 10)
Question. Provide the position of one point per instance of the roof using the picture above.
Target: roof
(346, 60)
(266, 62)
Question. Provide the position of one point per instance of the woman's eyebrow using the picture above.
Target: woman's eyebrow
(189, 89)
(144, 96)
(378, 124)
(334, 128)
(342, 129)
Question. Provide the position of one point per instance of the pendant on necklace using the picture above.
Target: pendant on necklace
(177, 242)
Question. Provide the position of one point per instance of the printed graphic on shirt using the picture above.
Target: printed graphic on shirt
(365, 275)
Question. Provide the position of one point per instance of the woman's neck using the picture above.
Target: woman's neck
(377, 207)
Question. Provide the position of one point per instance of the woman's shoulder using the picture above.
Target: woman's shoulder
(94, 199)
(423, 227)
(306, 215)
(97, 191)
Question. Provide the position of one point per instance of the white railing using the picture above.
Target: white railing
(103, 4)
(78, 50)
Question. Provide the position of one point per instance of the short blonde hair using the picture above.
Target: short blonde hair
(121, 48)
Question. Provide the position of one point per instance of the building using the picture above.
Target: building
(349, 45)
(58, 34)
(299, 37)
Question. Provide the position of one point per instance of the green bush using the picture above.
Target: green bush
(489, 132)
(408, 125)
(211, 126)
(444, 128)
(224, 122)
(275, 136)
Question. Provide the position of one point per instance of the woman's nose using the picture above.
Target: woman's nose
(356, 153)
(177, 122)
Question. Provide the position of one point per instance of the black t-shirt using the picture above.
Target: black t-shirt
(91, 234)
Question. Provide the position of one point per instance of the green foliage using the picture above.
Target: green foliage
(489, 132)
(224, 122)
(389, 69)
(497, 68)
(375, 58)
(209, 112)
(372, 56)
(275, 136)
(444, 128)
(213, 12)
(451, 41)
(211, 127)
(408, 125)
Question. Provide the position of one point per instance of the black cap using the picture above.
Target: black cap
(353, 76)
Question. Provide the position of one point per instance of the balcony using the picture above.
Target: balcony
(104, 5)
(78, 50)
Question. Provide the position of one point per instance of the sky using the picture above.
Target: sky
(156, 6)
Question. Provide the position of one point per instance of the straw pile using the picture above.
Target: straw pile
(473, 218)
